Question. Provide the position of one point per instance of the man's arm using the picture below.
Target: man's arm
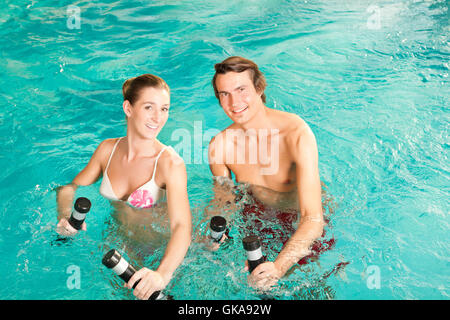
(222, 188)
(310, 199)
(222, 176)
(223, 185)
(305, 154)
(216, 157)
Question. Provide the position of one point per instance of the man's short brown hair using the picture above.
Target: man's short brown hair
(239, 64)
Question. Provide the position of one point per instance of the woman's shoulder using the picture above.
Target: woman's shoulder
(105, 147)
(170, 159)
(107, 144)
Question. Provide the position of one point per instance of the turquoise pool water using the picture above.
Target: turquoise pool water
(369, 77)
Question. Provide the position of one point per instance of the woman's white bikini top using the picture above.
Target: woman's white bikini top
(143, 197)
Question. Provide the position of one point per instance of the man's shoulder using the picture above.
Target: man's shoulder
(222, 134)
(289, 123)
(293, 128)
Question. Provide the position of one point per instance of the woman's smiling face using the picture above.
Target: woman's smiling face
(150, 112)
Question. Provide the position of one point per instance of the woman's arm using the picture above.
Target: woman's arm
(174, 172)
(179, 217)
(64, 200)
(87, 176)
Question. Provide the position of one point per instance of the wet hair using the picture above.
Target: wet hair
(132, 87)
(239, 64)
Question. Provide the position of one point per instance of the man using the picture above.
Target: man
(272, 151)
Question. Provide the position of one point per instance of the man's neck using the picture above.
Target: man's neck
(261, 120)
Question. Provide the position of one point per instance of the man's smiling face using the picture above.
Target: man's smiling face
(238, 96)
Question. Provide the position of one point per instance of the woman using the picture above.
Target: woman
(138, 170)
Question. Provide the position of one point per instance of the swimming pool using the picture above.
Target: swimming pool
(369, 77)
